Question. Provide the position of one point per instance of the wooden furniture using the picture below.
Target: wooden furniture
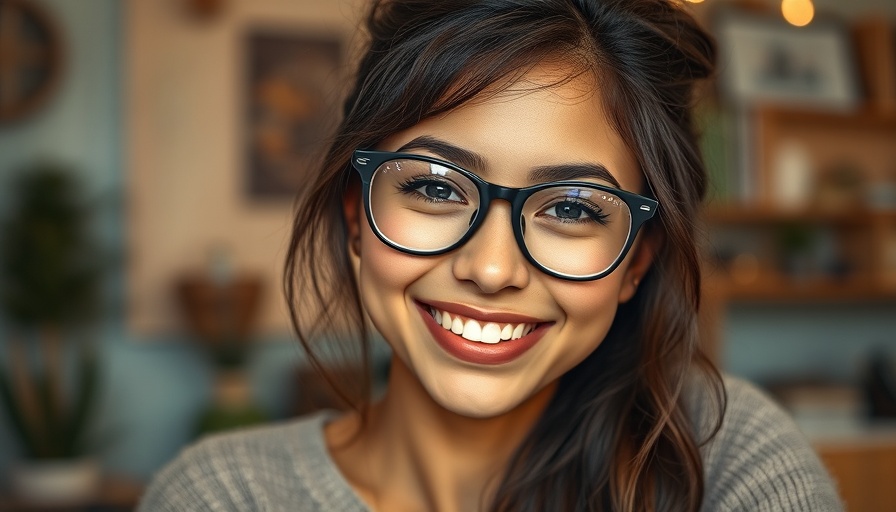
(841, 250)
(864, 469)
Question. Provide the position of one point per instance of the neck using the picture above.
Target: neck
(414, 454)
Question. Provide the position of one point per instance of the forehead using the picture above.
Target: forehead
(551, 115)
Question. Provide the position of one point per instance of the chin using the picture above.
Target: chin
(476, 400)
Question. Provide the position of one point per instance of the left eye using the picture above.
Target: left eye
(566, 210)
(439, 192)
(570, 210)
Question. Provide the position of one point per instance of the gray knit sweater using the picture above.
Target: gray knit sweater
(759, 461)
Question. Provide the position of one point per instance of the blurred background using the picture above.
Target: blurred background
(148, 156)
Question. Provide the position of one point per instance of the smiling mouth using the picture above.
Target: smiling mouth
(481, 332)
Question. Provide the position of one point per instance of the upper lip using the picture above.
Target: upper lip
(478, 314)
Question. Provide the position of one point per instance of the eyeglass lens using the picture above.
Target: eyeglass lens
(572, 230)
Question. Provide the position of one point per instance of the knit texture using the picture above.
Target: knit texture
(759, 461)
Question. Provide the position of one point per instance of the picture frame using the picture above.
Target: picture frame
(764, 60)
(294, 83)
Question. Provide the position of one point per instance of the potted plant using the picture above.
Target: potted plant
(49, 281)
(221, 309)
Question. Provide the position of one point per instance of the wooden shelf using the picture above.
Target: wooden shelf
(843, 256)
(734, 214)
(781, 289)
(863, 118)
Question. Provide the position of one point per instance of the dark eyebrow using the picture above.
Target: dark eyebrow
(473, 161)
(565, 172)
(460, 156)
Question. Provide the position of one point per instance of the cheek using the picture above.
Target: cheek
(385, 268)
(589, 309)
(385, 275)
(581, 300)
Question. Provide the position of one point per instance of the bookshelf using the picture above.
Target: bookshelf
(827, 236)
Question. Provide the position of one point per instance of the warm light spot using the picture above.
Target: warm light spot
(798, 12)
(696, 1)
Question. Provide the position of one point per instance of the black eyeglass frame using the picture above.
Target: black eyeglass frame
(641, 208)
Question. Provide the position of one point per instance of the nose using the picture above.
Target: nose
(491, 258)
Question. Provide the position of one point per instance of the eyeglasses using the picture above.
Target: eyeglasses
(574, 230)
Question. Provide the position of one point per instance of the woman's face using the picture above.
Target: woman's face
(488, 280)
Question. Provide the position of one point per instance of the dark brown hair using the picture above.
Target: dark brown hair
(617, 434)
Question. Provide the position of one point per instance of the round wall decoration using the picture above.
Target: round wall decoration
(30, 58)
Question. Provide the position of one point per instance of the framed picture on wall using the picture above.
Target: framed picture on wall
(292, 96)
(766, 60)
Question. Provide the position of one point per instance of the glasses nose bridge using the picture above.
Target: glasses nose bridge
(498, 192)
(493, 192)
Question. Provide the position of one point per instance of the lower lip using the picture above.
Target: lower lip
(480, 353)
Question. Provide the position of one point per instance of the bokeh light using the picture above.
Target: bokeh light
(798, 12)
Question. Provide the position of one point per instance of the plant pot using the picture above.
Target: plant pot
(56, 481)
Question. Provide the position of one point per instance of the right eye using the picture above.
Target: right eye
(432, 190)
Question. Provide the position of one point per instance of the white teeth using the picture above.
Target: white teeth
(491, 333)
(506, 332)
(446, 321)
(472, 330)
(457, 326)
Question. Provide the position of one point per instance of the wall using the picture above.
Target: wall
(184, 96)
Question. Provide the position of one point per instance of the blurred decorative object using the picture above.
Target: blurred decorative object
(50, 270)
(295, 81)
(841, 187)
(879, 383)
(232, 404)
(798, 13)
(221, 314)
(715, 125)
(821, 407)
(876, 45)
(745, 268)
(768, 61)
(221, 309)
(30, 58)
(793, 175)
(204, 9)
(57, 482)
(795, 243)
(881, 195)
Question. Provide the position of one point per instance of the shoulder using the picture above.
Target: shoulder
(274, 467)
(759, 459)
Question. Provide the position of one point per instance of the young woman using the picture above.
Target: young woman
(510, 202)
